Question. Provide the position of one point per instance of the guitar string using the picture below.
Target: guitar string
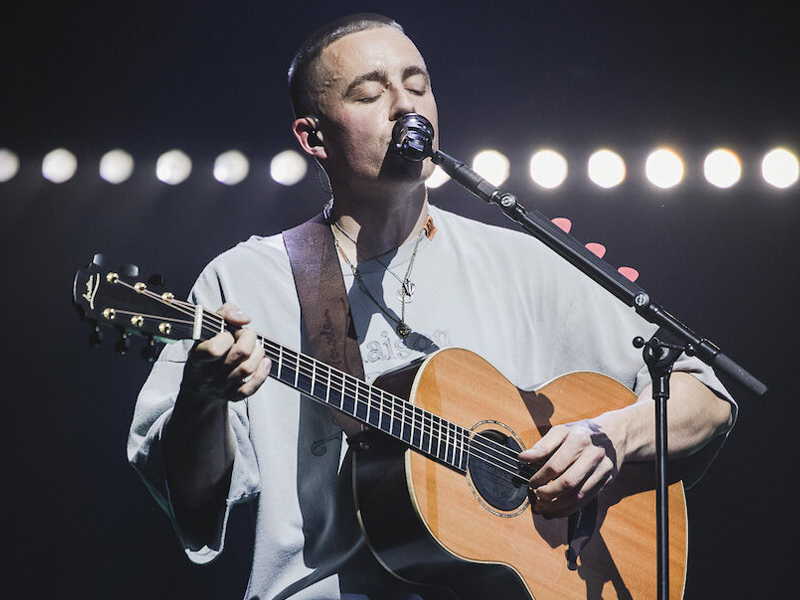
(450, 437)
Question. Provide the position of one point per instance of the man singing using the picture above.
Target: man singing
(211, 430)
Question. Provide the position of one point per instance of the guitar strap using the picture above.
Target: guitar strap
(330, 331)
(324, 308)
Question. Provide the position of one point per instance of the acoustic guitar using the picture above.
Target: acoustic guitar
(441, 495)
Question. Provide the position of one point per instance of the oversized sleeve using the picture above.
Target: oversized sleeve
(153, 409)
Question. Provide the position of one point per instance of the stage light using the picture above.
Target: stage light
(606, 168)
(548, 168)
(492, 166)
(116, 166)
(722, 168)
(59, 165)
(9, 165)
(288, 167)
(780, 168)
(437, 178)
(173, 167)
(664, 168)
(231, 167)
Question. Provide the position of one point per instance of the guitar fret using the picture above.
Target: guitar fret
(360, 405)
(374, 412)
(460, 448)
(422, 432)
(416, 431)
(313, 378)
(401, 433)
(430, 430)
(382, 413)
(396, 423)
(451, 447)
(336, 393)
(435, 435)
(343, 396)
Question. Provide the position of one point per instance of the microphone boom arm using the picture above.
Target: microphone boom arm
(538, 225)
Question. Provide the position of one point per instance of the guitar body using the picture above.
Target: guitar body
(430, 524)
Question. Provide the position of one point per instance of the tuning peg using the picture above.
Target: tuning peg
(156, 280)
(101, 260)
(123, 343)
(129, 270)
(96, 336)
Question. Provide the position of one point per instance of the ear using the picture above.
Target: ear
(308, 135)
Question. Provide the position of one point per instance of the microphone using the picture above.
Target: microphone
(412, 137)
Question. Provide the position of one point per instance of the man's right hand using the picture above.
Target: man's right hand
(227, 366)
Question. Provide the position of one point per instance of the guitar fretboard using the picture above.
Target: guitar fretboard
(425, 432)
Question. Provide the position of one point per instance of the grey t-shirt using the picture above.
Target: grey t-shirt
(493, 291)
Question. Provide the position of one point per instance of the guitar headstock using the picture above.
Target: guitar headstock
(120, 299)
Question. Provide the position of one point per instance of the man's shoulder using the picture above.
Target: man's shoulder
(256, 251)
(481, 236)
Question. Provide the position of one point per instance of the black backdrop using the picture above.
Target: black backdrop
(516, 76)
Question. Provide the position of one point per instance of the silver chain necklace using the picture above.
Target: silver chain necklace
(404, 294)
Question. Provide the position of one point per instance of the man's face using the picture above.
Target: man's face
(365, 82)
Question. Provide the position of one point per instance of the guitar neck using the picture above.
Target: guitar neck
(421, 430)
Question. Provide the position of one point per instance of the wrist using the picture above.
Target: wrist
(615, 426)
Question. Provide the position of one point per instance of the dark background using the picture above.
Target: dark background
(207, 77)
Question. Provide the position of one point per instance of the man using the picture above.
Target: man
(211, 430)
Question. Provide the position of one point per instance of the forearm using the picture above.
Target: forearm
(199, 449)
(695, 415)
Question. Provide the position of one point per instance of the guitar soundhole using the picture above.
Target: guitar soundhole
(494, 470)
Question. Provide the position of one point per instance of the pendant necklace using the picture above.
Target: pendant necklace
(404, 294)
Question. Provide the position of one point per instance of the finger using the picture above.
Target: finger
(566, 505)
(546, 445)
(233, 314)
(212, 349)
(244, 346)
(250, 386)
(246, 367)
(561, 460)
(574, 476)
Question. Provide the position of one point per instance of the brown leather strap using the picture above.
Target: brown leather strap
(324, 307)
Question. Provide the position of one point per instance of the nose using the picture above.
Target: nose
(403, 103)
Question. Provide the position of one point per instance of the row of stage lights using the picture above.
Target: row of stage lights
(664, 168)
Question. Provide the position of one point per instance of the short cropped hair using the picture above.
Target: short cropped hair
(301, 71)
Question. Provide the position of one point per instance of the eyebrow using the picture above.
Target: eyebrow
(382, 76)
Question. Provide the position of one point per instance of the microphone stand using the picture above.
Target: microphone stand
(660, 352)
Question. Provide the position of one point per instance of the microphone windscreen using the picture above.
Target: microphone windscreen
(412, 137)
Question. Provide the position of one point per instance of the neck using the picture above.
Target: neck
(379, 224)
